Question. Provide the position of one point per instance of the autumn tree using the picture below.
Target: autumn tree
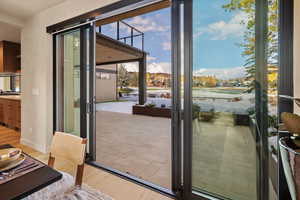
(123, 76)
(248, 45)
(134, 79)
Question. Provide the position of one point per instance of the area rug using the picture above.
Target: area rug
(83, 193)
(65, 190)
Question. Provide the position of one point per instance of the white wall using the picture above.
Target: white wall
(297, 52)
(37, 70)
(106, 89)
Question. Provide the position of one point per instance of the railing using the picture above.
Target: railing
(129, 38)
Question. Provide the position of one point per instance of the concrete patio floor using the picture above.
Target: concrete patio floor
(224, 159)
(223, 154)
(137, 145)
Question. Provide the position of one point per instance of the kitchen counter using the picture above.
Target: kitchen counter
(11, 97)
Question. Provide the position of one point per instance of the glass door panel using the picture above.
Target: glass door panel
(74, 56)
(225, 79)
(71, 84)
(68, 82)
(223, 99)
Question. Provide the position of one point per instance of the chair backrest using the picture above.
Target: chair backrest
(71, 148)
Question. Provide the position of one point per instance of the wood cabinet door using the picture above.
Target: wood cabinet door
(18, 115)
(1, 111)
(10, 113)
(1, 57)
(5, 111)
(10, 56)
(11, 51)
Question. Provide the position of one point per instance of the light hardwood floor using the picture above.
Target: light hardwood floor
(107, 183)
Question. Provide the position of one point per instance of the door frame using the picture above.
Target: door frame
(176, 119)
(90, 87)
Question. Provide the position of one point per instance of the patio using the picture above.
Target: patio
(137, 145)
(224, 154)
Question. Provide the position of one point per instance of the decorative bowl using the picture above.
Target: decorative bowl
(9, 155)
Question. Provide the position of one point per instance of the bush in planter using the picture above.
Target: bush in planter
(208, 116)
(251, 110)
(150, 105)
(125, 91)
(195, 111)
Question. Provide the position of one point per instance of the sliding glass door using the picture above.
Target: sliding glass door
(225, 100)
(215, 93)
(73, 58)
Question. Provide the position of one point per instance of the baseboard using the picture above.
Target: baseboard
(38, 147)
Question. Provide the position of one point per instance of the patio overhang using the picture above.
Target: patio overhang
(111, 51)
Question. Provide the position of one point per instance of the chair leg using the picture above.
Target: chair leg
(51, 161)
(79, 175)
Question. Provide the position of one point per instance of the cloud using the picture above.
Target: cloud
(150, 58)
(166, 46)
(224, 74)
(131, 67)
(123, 28)
(222, 30)
(147, 24)
(160, 67)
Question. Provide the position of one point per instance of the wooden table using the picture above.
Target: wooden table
(29, 183)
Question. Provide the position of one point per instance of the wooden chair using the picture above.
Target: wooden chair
(71, 148)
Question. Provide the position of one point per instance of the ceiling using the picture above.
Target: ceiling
(106, 54)
(26, 8)
(110, 50)
(9, 32)
(16, 11)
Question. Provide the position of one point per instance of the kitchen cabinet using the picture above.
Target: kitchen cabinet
(10, 60)
(1, 112)
(10, 112)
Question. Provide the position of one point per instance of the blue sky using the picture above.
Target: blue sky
(157, 29)
(216, 33)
